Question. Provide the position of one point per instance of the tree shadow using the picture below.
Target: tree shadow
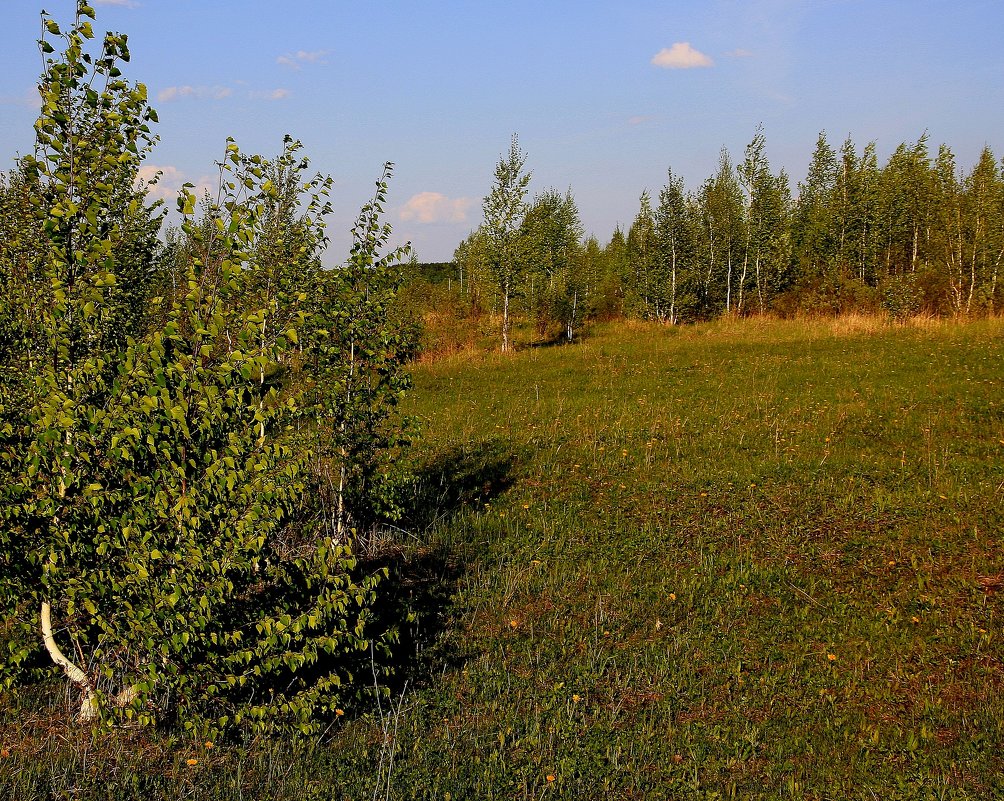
(463, 477)
(559, 340)
(416, 599)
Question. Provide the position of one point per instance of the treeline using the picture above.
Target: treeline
(916, 234)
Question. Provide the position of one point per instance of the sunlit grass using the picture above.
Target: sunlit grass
(743, 559)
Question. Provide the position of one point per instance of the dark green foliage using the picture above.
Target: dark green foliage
(435, 272)
(814, 237)
(642, 258)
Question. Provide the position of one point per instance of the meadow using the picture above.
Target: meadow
(741, 559)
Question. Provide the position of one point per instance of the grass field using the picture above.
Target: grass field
(752, 559)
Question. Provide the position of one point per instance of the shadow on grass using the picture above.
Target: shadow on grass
(463, 477)
(416, 598)
(557, 341)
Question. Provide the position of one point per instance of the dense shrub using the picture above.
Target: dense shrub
(171, 422)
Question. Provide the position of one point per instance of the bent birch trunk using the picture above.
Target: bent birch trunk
(88, 707)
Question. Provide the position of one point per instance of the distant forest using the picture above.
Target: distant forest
(915, 235)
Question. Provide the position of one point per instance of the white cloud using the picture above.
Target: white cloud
(739, 52)
(637, 119)
(681, 56)
(433, 207)
(169, 182)
(300, 57)
(198, 92)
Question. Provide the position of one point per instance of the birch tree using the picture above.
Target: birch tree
(720, 238)
(674, 241)
(504, 210)
(159, 532)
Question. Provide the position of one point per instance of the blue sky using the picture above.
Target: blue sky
(605, 96)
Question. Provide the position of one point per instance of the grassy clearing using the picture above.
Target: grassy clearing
(743, 559)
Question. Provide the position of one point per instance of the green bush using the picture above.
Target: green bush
(167, 515)
(901, 297)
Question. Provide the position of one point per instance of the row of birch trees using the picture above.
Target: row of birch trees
(915, 234)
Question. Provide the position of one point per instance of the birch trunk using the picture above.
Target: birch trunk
(88, 706)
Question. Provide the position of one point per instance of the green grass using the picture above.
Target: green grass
(756, 559)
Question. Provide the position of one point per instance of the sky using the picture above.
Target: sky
(604, 96)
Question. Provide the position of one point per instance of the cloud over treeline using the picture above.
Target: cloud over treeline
(434, 207)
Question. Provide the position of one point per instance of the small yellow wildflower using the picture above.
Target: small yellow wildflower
(208, 744)
(192, 761)
(514, 623)
(672, 596)
(832, 657)
(339, 712)
(550, 777)
(576, 697)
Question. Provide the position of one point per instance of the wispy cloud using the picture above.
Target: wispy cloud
(637, 119)
(172, 93)
(300, 57)
(433, 207)
(197, 92)
(269, 94)
(739, 52)
(29, 99)
(681, 56)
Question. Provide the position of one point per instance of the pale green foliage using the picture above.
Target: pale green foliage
(356, 356)
(767, 207)
(504, 210)
(471, 260)
(557, 287)
(674, 235)
(720, 226)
